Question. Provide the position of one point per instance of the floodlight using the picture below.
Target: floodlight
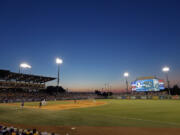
(126, 74)
(25, 65)
(166, 69)
(59, 61)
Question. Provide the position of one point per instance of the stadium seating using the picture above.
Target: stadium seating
(15, 131)
(9, 96)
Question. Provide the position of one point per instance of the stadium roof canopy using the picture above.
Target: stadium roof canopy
(9, 76)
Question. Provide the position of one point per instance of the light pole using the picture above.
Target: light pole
(110, 87)
(25, 66)
(166, 70)
(105, 87)
(126, 75)
(58, 62)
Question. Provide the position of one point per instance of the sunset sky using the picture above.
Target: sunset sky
(98, 40)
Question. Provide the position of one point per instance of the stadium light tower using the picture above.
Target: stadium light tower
(166, 70)
(24, 66)
(58, 62)
(126, 75)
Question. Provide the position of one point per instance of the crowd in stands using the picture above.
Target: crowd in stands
(8, 96)
(12, 95)
(15, 131)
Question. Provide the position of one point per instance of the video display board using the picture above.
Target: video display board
(148, 85)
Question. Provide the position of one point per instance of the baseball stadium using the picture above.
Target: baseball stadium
(89, 67)
(29, 107)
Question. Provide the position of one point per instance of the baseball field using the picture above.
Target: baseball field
(100, 117)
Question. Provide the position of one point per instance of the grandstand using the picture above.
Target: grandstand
(17, 87)
(10, 79)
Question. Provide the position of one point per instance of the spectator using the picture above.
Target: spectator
(15, 131)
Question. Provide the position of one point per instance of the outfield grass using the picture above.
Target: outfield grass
(131, 113)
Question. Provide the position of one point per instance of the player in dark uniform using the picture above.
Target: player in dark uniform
(22, 104)
(75, 101)
(40, 104)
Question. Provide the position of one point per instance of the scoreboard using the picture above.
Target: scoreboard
(147, 85)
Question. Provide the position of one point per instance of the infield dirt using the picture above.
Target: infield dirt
(78, 104)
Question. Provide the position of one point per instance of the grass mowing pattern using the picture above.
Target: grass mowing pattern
(133, 113)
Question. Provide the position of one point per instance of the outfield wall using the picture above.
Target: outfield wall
(149, 97)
